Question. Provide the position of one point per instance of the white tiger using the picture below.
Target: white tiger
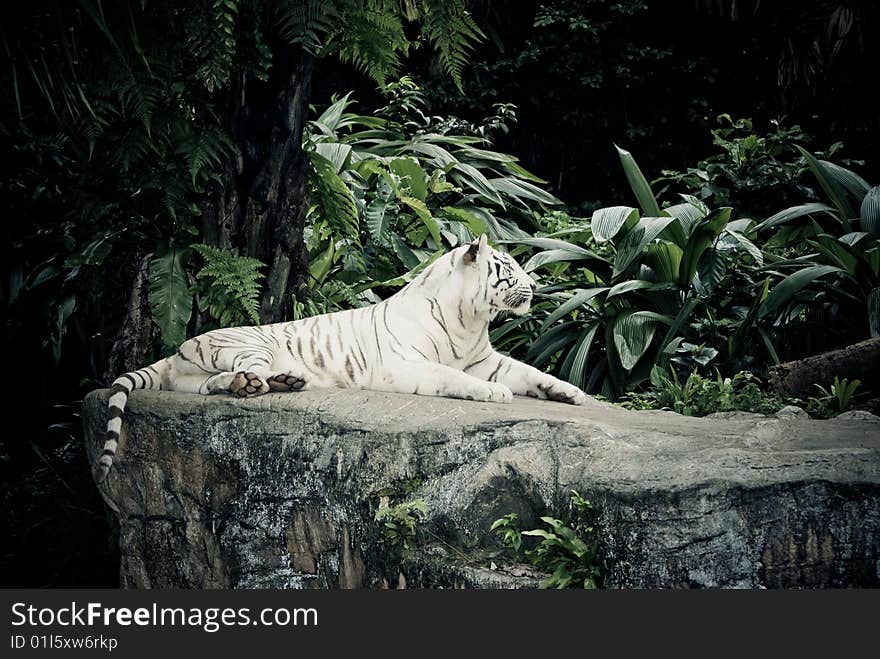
(430, 338)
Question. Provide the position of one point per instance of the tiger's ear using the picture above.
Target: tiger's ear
(478, 246)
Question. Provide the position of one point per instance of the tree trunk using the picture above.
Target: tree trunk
(260, 210)
(134, 342)
(860, 361)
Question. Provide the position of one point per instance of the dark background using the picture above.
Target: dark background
(649, 76)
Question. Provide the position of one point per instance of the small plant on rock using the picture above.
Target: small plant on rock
(568, 551)
(834, 401)
(400, 523)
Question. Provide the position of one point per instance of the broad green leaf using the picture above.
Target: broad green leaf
(409, 258)
(870, 211)
(378, 214)
(664, 259)
(439, 156)
(606, 222)
(551, 256)
(829, 180)
(320, 265)
(848, 180)
(550, 343)
(574, 368)
(170, 295)
(633, 331)
(679, 320)
(640, 236)
(474, 222)
(329, 121)
(336, 152)
(631, 285)
(425, 216)
(838, 253)
(414, 177)
(753, 250)
(638, 183)
(786, 289)
(703, 235)
(523, 190)
(687, 215)
(575, 301)
(710, 272)
(697, 203)
(471, 177)
(796, 212)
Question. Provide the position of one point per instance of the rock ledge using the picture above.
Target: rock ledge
(281, 491)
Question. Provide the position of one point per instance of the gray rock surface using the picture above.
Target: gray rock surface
(281, 491)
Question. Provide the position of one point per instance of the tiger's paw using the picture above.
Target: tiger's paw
(287, 382)
(246, 384)
(491, 392)
(562, 392)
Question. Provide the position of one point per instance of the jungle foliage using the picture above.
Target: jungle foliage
(170, 171)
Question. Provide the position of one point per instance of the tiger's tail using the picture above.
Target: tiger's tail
(150, 377)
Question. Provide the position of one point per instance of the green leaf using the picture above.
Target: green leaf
(575, 370)
(578, 299)
(664, 259)
(703, 235)
(425, 216)
(414, 177)
(409, 258)
(332, 198)
(320, 265)
(633, 331)
(638, 183)
(520, 190)
(606, 222)
(830, 182)
(786, 289)
(631, 285)
(378, 214)
(686, 215)
(854, 184)
(796, 212)
(550, 343)
(170, 295)
(671, 333)
(335, 152)
(750, 247)
(640, 236)
(471, 177)
(474, 222)
(870, 211)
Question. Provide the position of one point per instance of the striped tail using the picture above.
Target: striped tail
(150, 377)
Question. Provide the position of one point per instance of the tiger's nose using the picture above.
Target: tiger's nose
(533, 286)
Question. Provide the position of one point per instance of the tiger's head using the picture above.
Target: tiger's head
(496, 282)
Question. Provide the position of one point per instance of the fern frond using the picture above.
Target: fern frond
(448, 25)
(229, 286)
(373, 38)
(212, 39)
(331, 198)
(309, 23)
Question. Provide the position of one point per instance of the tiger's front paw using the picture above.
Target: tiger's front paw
(562, 392)
(246, 384)
(492, 392)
